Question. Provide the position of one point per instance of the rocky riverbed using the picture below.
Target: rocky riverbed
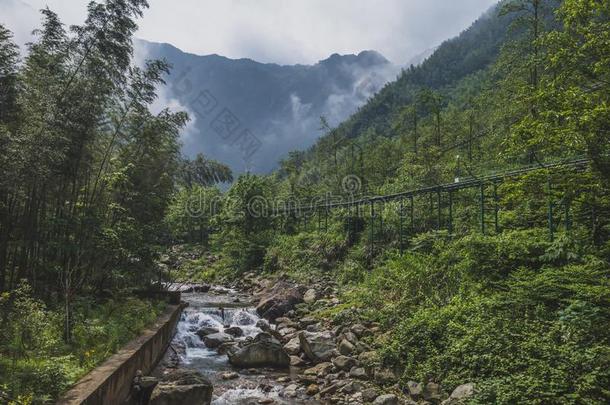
(259, 342)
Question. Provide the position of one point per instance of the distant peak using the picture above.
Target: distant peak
(364, 58)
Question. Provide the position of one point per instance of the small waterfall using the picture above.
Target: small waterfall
(195, 318)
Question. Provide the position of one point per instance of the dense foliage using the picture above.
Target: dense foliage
(512, 293)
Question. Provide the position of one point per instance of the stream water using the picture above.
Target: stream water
(253, 386)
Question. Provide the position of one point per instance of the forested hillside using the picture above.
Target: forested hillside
(464, 208)
(462, 214)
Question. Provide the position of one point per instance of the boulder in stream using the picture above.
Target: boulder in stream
(262, 351)
(216, 339)
(182, 387)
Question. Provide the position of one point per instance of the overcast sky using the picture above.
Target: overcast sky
(290, 31)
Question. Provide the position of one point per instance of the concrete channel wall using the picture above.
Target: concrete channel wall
(110, 383)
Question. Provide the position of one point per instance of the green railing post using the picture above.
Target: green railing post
(482, 202)
(450, 212)
(412, 214)
(372, 227)
(496, 209)
(568, 225)
(550, 210)
(400, 225)
(439, 218)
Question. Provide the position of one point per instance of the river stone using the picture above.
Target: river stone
(358, 372)
(206, 330)
(235, 331)
(369, 394)
(293, 346)
(321, 369)
(278, 301)
(182, 387)
(318, 346)
(296, 361)
(262, 351)
(312, 389)
(346, 348)
(344, 362)
(216, 339)
(386, 399)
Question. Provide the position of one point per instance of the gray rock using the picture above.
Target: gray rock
(433, 392)
(460, 395)
(262, 351)
(369, 394)
(344, 362)
(216, 339)
(207, 330)
(235, 331)
(359, 330)
(416, 390)
(293, 346)
(182, 387)
(279, 300)
(358, 372)
(346, 348)
(318, 346)
(386, 399)
(310, 296)
(296, 361)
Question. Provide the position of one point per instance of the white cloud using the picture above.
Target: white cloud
(293, 31)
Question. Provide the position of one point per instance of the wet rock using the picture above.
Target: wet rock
(460, 395)
(293, 346)
(346, 348)
(291, 391)
(182, 387)
(386, 399)
(344, 362)
(262, 351)
(206, 330)
(232, 375)
(318, 346)
(216, 339)
(234, 331)
(225, 347)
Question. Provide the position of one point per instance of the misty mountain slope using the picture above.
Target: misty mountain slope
(472, 51)
(280, 105)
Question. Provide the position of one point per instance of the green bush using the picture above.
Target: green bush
(523, 318)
